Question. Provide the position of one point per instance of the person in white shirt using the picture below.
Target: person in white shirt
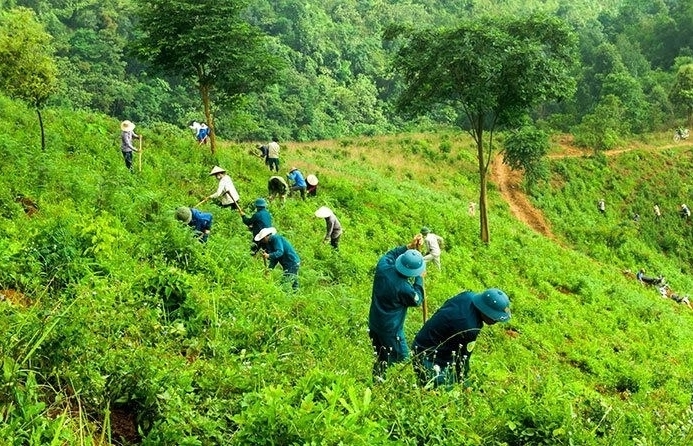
(432, 243)
(226, 192)
(273, 155)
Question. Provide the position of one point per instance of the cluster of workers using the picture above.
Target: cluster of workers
(662, 287)
(442, 347)
(266, 241)
(684, 211)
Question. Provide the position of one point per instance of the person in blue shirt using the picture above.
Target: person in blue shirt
(201, 222)
(397, 285)
(444, 345)
(278, 250)
(298, 183)
(260, 220)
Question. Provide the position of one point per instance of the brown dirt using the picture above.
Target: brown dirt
(15, 298)
(509, 182)
(124, 426)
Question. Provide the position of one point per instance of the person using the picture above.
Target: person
(601, 205)
(264, 151)
(127, 133)
(226, 191)
(657, 211)
(392, 294)
(277, 187)
(260, 220)
(432, 244)
(312, 185)
(334, 228)
(273, 154)
(201, 132)
(444, 345)
(201, 222)
(278, 250)
(471, 209)
(649, 280)
(636, 217)
(298, 183)
(685, 211)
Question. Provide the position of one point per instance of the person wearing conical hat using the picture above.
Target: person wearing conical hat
(334, 228)
(201, 132)
(298, 182)
(226, 191)
(444, 345)
(312, 188)
(201, 222)
(278, 250)
(127, 133)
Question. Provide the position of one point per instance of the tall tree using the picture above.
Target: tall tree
(27, 66)
(210, 42)
(493, 70)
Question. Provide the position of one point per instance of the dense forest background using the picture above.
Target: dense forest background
(337, 80)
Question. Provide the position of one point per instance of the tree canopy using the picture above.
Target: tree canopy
(210, 42)
(28, 70)
(493, 70)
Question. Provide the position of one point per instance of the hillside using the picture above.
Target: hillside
(125, 330)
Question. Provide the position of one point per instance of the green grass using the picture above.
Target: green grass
(116, 318)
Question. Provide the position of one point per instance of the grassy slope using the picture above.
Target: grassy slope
(590, 356)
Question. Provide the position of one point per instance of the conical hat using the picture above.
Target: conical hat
(127, 126)
(312, 180)
(323, 212)
(264, 232)
(217, 170)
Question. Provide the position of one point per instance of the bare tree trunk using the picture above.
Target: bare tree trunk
(483, 213)
(43, 131)
(204, 91)
(478, 135)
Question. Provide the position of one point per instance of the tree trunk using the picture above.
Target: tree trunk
(204, 92)
(483, 213)
(43, 131)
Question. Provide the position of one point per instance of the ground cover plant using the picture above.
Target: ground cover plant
(120, 328)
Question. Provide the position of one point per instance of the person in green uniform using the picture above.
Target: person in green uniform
(278, 250)
(260, 220)
(397, 285)
(444, 345)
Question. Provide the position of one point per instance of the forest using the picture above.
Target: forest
(333, 68)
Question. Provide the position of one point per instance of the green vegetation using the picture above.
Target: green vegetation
(337, 79)
(121, 328)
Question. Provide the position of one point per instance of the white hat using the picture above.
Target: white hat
(127, 126)
(264, 232)
(217, 170)
(312, 180)
(195, 125)
(323, 212)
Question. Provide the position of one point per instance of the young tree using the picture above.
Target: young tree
(524, 149)
(27, 67)
(208, 41)
(493, 70)
(681, 94)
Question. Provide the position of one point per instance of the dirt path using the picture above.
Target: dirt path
(509, 184)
